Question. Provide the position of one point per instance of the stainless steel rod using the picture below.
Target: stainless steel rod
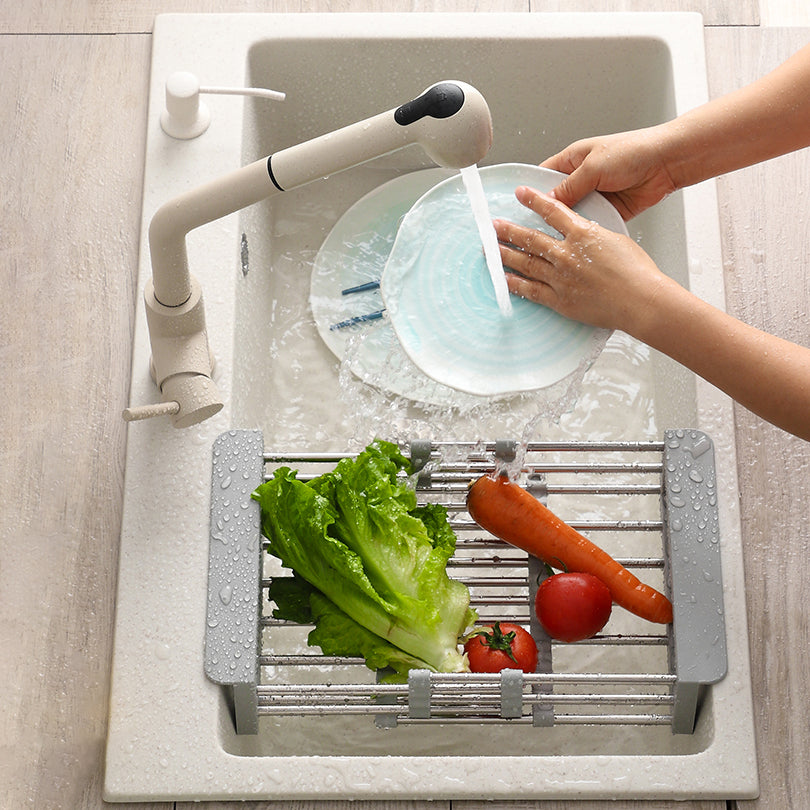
(478, 696)
(314, 660)
(559, 489)
(592, 720)
(485, 450)
(459, 471)
(583, 526)
(494, 582)
(334, 707)
(647, 719)
(540, 447)
(613, 719)
(517, 562)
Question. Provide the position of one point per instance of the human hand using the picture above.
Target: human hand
(628, 168)
(592, 274)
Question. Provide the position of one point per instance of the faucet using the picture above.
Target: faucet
(450, 121)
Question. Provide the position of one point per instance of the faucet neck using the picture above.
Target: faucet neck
(205, 203)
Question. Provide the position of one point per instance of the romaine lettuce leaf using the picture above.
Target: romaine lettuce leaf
(375, 561)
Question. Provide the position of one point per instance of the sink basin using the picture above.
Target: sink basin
(559, 77)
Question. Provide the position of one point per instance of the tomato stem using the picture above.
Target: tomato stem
(498, 640)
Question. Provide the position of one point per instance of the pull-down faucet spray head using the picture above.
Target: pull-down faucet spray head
(450, 121)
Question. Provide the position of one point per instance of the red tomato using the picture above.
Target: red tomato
(573, 605)
(501, 646)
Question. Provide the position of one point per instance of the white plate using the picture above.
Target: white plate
(355, 252)
(441, 303)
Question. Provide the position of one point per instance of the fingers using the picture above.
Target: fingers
(527, 241)
(530, 251)
(553, 211)
(531, 265)
(579, 180)
(527, 276)
(561, 162)
(530, 289)
(575, 186)
(533, 257)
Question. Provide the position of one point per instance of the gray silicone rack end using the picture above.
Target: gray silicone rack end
(232, 633)
(698, 654)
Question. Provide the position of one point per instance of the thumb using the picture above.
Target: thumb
(572, 188)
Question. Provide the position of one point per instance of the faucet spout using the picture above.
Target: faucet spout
(450, 121)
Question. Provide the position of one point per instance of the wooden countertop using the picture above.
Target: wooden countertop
(73, 101)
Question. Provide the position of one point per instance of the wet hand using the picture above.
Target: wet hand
(591, 274)
(628, 168)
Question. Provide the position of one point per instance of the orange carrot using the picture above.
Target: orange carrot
(506, 510)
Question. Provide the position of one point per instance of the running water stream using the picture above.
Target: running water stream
(478, 202)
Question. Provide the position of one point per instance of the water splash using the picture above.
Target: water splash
(478, 202)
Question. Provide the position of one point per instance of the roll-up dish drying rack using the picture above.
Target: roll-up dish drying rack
(249, 653)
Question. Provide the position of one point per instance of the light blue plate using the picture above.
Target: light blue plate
(354, 253)
(441, 303)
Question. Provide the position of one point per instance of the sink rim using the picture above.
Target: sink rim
(162, 578)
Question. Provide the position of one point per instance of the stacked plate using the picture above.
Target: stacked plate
(442, 337)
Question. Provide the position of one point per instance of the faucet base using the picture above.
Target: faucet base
(181, 365)
(197, 396)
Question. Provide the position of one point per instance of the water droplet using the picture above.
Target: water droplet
(226, 594)
(700, 445)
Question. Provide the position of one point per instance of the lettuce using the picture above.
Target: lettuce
(369, 564)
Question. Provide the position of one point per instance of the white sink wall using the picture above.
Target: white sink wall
(170, 735)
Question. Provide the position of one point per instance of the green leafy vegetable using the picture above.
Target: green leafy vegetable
(369, 564)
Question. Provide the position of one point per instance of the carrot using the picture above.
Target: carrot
(506, 510)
